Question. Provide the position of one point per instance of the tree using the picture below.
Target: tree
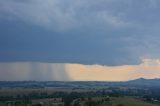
(120, 105)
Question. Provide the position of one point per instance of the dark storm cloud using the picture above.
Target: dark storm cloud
(107, 32)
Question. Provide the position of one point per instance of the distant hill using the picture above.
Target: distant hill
(144, 82)
(141, 82)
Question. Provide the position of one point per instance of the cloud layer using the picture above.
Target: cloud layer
(107, 32)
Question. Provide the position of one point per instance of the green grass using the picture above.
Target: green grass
(2, 104)
(126, 101)
(129, 101)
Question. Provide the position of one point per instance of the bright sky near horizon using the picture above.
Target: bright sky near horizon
(77, 72)
(79, 39)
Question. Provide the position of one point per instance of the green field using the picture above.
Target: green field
(117, 101)
(2, 104)
(129, 101)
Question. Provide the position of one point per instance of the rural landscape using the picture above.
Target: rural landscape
(139, 92)
(79, 52)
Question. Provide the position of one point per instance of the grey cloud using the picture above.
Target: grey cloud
(108, 32)
(61, 14)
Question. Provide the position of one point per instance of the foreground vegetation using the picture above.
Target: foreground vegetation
(3, 104)
(92, 101)
(79, 94)
(113, 101)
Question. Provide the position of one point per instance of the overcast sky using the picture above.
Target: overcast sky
(107, 33)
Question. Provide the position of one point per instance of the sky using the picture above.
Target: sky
(100, 40)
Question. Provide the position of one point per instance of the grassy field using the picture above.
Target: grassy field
(118, 101)
(21, 91)
(129, 101)
(2, 104)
